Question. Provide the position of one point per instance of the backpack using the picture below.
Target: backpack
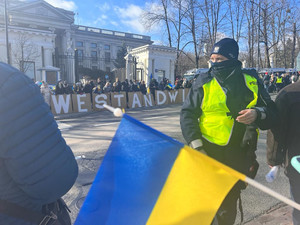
(56, 213)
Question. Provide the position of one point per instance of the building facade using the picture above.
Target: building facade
(151, 61)
(45, 44)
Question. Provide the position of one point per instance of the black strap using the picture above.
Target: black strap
(14, 210)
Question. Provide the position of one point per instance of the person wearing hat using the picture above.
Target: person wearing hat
(221, 114)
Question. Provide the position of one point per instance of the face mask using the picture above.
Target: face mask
(224, 69)
(223, 64)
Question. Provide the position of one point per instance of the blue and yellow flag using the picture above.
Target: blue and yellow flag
(147, 177)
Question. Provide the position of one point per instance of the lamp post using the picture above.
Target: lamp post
(76, 66)
(134, 67)
(6, 32)
(258, 38)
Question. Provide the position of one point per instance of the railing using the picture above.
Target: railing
(114, 33)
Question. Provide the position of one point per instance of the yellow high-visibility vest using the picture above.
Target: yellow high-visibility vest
(215, 123)
(279, 80)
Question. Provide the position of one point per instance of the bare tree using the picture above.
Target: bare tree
(236, 15)
(195, 25)
(272, 17)
(169, 14)
(294, 11)
(213, 16)
(251, 31)
(24, 51)
(192, 28)
(179, 14)
(157, 16)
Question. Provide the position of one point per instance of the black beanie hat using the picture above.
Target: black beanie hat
(226, 47)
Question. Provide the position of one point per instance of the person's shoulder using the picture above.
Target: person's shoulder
(9, 74)
(291, 88)
(250, 71)
(6, 71)
(202, 79)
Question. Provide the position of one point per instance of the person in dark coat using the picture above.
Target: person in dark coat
(153, 86)
(67, 89)
(59, 89)
(88, 87)
(135, 87)
(117, 85)
(37, 166)
(143, 88)
(283, 139)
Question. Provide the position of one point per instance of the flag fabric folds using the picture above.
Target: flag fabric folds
(147, 177)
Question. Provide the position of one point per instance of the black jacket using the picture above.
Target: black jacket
(283, 140)
(37, 166)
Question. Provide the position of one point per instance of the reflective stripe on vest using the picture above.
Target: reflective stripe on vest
(215, 123)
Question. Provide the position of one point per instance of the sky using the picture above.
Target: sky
(114, 15)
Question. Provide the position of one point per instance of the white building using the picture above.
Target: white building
(157, 60)
(43, 40)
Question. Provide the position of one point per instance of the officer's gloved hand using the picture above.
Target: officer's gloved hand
(250, 137)
(198, 145)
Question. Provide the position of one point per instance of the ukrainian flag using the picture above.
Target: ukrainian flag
(147, 177)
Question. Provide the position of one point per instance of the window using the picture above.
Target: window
(107, 57)
(94, 55)
(94, 67)
(106, 47)
(107, 69)
(93, 45)
(79, 44)
(161, 74)
(80, 54)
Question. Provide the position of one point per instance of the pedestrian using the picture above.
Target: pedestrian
(135, 86)
(221, 114)
(153, 86)
(117, 85)
(37, 166)
(279, 82)
(107, 87)
(143, 88)
(46, 92)
(88, 87)
(59, 89)
(283, 139)
(266, 80)
(67, 89)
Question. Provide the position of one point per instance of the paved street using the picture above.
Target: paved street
(90, 135)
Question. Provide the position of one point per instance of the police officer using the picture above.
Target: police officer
(221, 114)
(279, 82)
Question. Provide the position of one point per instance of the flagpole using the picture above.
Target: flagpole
(272, 193)
(116, 111)
(252, 182)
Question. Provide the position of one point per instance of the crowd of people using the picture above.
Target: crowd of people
(100, 87)
(274, 82)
